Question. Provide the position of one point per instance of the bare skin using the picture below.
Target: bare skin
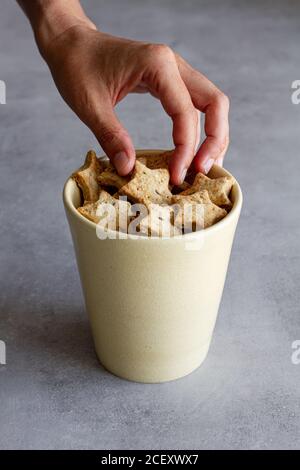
(93, 71)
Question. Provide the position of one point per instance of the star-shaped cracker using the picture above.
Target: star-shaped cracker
(161, 160)
(218, 188)
(110, 177)
(148, 186)
(158, 222)
(117, 217)
(155, 161)
(196, 211)
(86, 177)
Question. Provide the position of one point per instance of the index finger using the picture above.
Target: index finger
(215, 105)
(166, 83)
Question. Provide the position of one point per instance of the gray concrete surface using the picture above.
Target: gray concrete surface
(53, 393)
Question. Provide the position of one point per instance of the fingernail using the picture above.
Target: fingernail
(219, 161)
(208, 164)
(120, 161)
(183, 175)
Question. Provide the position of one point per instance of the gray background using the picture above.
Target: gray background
(53, 393)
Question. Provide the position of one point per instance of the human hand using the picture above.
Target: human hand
(93, 71)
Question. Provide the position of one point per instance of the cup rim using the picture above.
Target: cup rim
(70, 185)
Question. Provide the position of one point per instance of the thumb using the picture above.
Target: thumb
(115, 141)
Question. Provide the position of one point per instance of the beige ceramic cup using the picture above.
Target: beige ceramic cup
(152, 303)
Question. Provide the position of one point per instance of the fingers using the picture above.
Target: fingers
(94, 107)
(114, 139)
(165, 82)
(217, 136)
(115, 142)
(219, 161)
(184, 137)
(211, 101)
(198, 133)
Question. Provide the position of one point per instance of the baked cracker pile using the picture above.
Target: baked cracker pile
(145, 203)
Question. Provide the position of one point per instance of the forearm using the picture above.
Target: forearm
(50, 18)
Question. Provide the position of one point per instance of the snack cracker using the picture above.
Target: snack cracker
(110, 177)
(155, 161)
(196, 211)
(86, 177)
(218, 188)
(148, 186)
(117, 216)
(197, 203)
(158, 222)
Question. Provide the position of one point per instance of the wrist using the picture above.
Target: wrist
(51, 18)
